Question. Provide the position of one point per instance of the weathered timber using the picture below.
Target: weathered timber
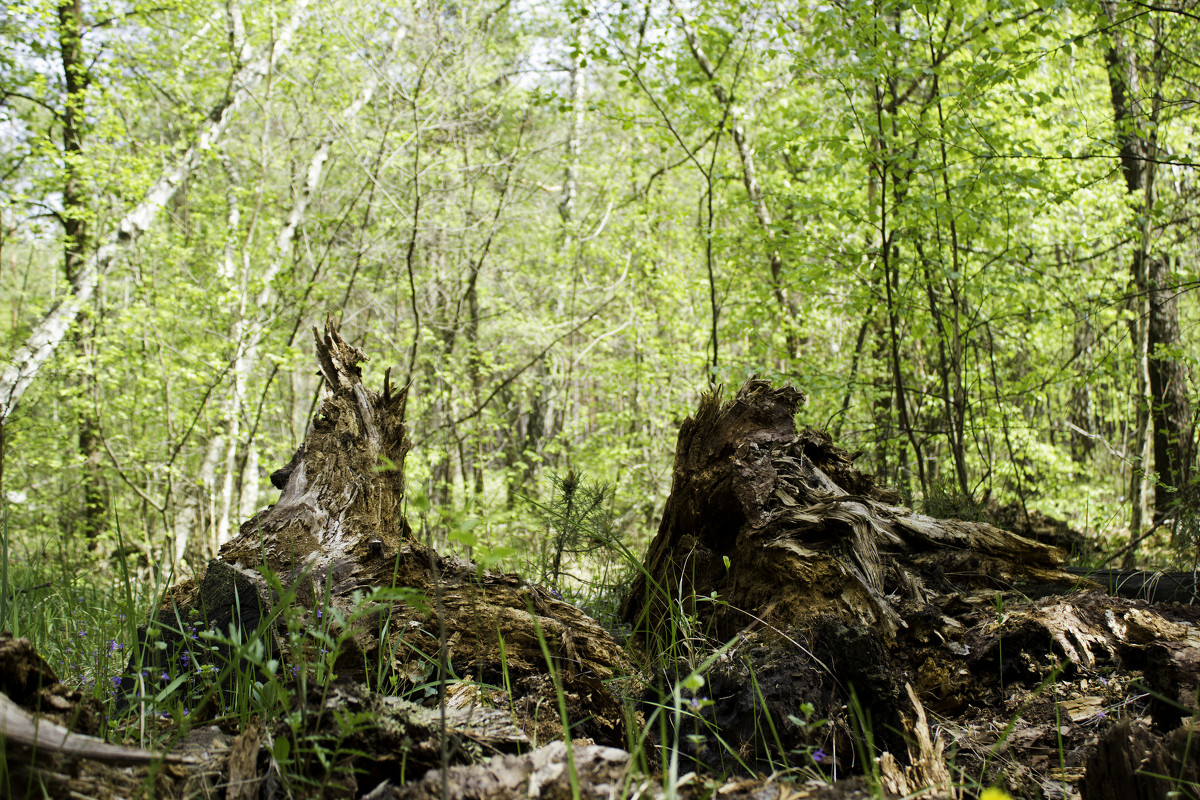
(782, 529)
(1133, 762)
(601, 773)
(830, 594)
(338, 532)
(24, 732)
(1137, 584)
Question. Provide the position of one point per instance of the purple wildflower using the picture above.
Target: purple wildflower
(819, 755)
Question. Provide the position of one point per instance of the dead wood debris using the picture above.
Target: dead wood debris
(845, 617)
(834, 598)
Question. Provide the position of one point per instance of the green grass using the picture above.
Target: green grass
(82, 614)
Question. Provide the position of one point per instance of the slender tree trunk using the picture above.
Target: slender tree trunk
(1170, 410)
(758, 203)
(75, 244)
(889, 256)
(1161, 405)
(1167, 375)
(49, 333)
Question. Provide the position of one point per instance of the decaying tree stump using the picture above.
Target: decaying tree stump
(837, 632)
(832, 599)
(339, 530)
(781, 529)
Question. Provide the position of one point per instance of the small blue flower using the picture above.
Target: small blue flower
(164, 677)
(819, 755)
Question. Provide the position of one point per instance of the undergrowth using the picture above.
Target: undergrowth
(83, 613)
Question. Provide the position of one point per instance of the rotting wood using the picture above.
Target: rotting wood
(602, 773)
(1006, 678)
(1132, 762)
(25, 733)
(338, 531)
(781, 528)
(831, 597)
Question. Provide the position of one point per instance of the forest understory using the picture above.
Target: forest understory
(791, 632)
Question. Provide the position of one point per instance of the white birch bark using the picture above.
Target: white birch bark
(46, 336)
(250, 327)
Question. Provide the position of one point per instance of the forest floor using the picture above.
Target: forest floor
(792, 631)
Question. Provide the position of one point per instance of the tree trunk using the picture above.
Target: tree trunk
(48, 334)
(75, 244)
(339, 531)
(1170, 409)
(1161, 377)
(804, 532)
(758, 203)
(772, 537)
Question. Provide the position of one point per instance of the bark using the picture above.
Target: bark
(76, 79)
(339, 530)
(589, 772)
(1133, 762)
(772, 537)
(566, 206)
(1161, 377)
(75, 244)
(806, 534)
(49, 333)
(1171, 408)
(828, 596)
(27, 736)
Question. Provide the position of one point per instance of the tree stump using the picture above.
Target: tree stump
(768, 527)
(772, 541)
(339, 531)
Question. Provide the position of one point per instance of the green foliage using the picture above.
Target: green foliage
(1185, 526)
(578, 520)
(944, 500)
(913, 211)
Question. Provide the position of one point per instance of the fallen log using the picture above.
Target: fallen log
(1151, 586)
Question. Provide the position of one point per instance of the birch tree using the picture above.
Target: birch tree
(50, 331)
